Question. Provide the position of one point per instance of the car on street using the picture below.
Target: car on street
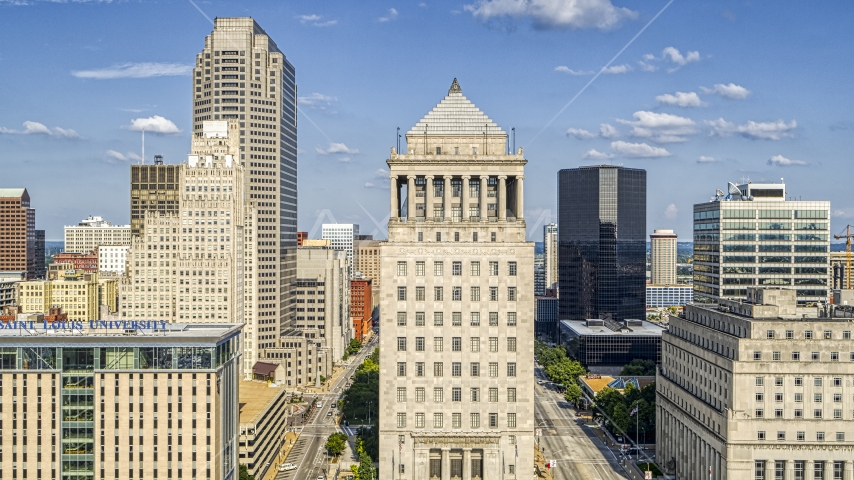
(329, 413)
(287, 466)
(320, 477)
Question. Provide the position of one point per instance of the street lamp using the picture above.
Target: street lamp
(369, 412)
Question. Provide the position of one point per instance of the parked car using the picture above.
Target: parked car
(287, 466)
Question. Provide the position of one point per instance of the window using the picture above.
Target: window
(759, 470)
(816, 381)
(493, 268)
(456, 369)
(438, 269)
(846, 335)
(456, 344)
(475, 294)
(511, 294)
(420, 294)
(491, 236)
(475, 394)
(760, 381)
(511, 268)
(419, 420)
(834, 356)
(401, 394)
(456, 394)
(493, 420)
(778, 381)
(438, 344)
(419, 269)
(493, 319)
(808, 334)
(840, 437)
(419, 394)
(511, 319)
(474, 419)
(790, 334)
(438, 236)
(837, 398)
(511, 369)
(475, 319)
(456, 268)
(401, 420)
(759, 413)
(781, 435)
(816, 413)
(778, 413)
(419, 369)
(401, 369)
(799, 381)
(493, 369)
(769, 334)
(760, 397)
(816, 397)
(757, 355)
(438, 394)
(419, 319)
(493, 344)
(511, 469)
(457, 294)
(475, 369)
(760, 435)
(401, 344)
(799, 413)
(456, 420)
(474, 234)
(419, 344)
(475, 269)
(815, 356)
(457, 319)
(438, 369)
(828, 335)
(401, 269)
(457, 234)
(493, 394)
(438, 319)
(437, 294)
(837, 381)
(401, 319)
(493, 294)
(437, 420)
(796, 356)
(800, 436)
(799, 398)
(778, 397)
(819, 436)
(511, 395)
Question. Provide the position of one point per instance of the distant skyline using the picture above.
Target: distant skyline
(706, 93)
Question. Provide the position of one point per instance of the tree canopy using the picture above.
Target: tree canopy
(639, 368)
(364, 390)
(557, 365)
(336, 443)
(617, 408)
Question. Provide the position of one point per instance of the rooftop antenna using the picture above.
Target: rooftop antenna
(142, 160)
(398, 140)
(513, 131)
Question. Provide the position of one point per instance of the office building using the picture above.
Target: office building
(77, 293)
(241, 75)
(604, 342)
(264, 416)
(368, 264)
(323, 309)
(168, 392)
(93, 232)
(840, 276)
(304, 359)
(361, 307)
(456, 350)
(343, 236)
(756, 388)
(8, 285)
(539, 274)
(86, 262)
(668, 295)
(18, 248)
(550, 261)
(602, 242)
(754, 236)
(39, 255)
(300, 237)
(112, 258)
(662, 257)
(546, 320)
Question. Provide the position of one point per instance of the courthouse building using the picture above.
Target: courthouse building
(456, 303)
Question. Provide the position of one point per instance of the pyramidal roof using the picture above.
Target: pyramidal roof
(456, 115)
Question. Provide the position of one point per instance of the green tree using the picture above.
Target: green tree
(244, 473)
(639, 368)
(565, 371)
(369, 435)
(573, 393)
(336, 443)
(353, 347)
(364, 392)
(365, 470)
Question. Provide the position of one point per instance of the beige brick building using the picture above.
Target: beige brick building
(79, 294)
(456, 303)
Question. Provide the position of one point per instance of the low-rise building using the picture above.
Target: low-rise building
(757, 388)
(169, 392)
(605, 342)
(305, 359)
(86, 262)
(592, 384)
(668, 295)
(263, 422)
(361, 307)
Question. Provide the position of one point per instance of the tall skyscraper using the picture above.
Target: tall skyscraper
(602, 242)
(343, 236)
(550, 253)
(754, 236)
(242, 75)
(662, 257)
(18, 249)
(456, 350)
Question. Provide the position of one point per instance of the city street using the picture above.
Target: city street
(308, 453)
(578, 453)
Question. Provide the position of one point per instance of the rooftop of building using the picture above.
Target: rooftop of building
(255, 398)
(597, 383)
(31, 326)
(12, 192)
(456, 115)
(601, 327)
(780, 304)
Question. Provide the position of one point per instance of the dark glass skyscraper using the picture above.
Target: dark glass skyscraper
(602, 242)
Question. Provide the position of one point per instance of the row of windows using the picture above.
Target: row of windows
(799, 381)
(809, 334)
(456, 369)
(456, 319)
(456, 394)
(456, 344)
(456, 268)
(456, 420)
(796, 356)
(456, 294)
(762, 469)
(801, 436)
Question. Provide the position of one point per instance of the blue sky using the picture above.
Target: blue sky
(710, 92)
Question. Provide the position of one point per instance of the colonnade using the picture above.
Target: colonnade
(465, 200)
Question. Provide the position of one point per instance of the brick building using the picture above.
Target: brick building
(361, 307)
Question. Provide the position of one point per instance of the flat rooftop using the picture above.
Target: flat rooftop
(28, 328)
(255, 398)
(644, 329)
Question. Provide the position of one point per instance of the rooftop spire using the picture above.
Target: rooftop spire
(455, 88)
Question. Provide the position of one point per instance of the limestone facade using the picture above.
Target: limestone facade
(456, 304)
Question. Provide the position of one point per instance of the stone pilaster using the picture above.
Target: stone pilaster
(502, 197)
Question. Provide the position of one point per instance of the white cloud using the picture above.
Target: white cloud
(843, 213)
(369, 185)
(593, 154)
(381, 173)
(549, 14)
(136, 70)
(671, 212)
(392, 15)
(121, 156)
(36, 128)
(565, 69)
(661, 127)
(781, 161)
(753, 130)
(607, 131)
(345, 160)
(615, 69)
(674, 56)
(646, 67)
(705, 159)
(155, 124)
(316, 100)
(580, 133)
(638, 150)
(381, 185)
(681, 99)
(731, 91)
(335, 148)
(316, 21)
(422, 5)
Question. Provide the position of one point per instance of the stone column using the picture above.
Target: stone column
(484, 213)
(789, 474)
(410, 198)
(395, 212)
(447, 194)
(446, 463)
(502, 197)
(464, 198)
(428, 198)
(520, 203)
(769, 468)
(848, 473)
(466, 464)
(809, 466)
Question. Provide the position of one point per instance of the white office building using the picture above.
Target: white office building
(550, 254)
(93, 232)
(112, 258)
(343, 236)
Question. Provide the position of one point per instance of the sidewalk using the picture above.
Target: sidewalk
(540, 465)
(290, 440)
